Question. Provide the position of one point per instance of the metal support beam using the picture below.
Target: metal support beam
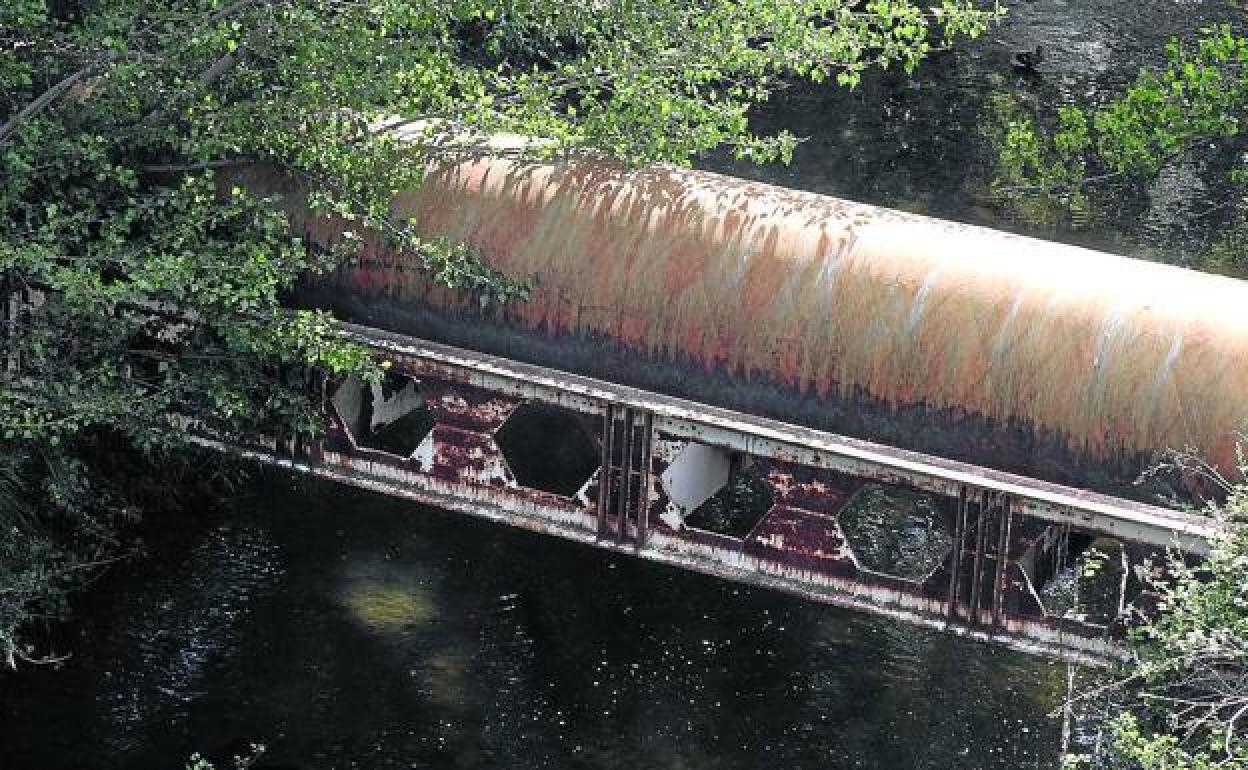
(1004, 521)
(624, 477)
(762, 437)
(978, 591)
(797, 546)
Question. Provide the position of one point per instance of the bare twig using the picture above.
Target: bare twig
(1025, 188)
(230, 10)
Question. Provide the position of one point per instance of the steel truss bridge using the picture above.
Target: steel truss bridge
(634, 472)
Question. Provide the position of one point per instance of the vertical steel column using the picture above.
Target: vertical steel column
(10, 314)
(956, 554)
(981, 535)
(1004, 526)
(624, 475)
(643, 476)
(7, 329)
(284, 440)
(606, 469)
(318, 392)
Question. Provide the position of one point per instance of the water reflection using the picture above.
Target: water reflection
(386, 597)
(174, 627)
(897, 531)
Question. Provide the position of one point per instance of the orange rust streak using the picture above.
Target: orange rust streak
(829, 295)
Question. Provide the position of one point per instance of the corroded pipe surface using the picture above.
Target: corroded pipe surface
(1036, 357)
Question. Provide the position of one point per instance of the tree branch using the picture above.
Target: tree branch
(230, 10)
(203, 165)
(220, 67)
(47, 98)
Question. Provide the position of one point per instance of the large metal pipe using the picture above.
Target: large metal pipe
(1036, 357)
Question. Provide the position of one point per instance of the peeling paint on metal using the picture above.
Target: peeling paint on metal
(470, 408)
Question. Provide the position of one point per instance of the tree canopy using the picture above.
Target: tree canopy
(116, 117)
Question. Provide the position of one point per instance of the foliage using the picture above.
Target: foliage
(1040, 174)
(1190, 111)
(159, 283)
(1198, 97)
(34, 567)
(1193, 664)
(1186, 688)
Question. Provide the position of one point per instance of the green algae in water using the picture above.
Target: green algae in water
(388, 608)
(387, 599)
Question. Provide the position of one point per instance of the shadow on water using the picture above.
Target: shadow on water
(347, 630)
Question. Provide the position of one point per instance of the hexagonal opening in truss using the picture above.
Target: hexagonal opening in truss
(897, 531)
(390, 416)
(548, 448)
(739, 504)
(1093, 579)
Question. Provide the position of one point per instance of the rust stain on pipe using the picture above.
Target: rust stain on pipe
(834, 298)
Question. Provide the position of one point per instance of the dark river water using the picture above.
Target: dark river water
(344, 630)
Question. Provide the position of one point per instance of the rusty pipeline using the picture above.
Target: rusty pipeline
(1035, 357)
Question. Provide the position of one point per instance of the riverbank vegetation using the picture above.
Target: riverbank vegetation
(1091, 163)
(1185, 693)
(1183, 699)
